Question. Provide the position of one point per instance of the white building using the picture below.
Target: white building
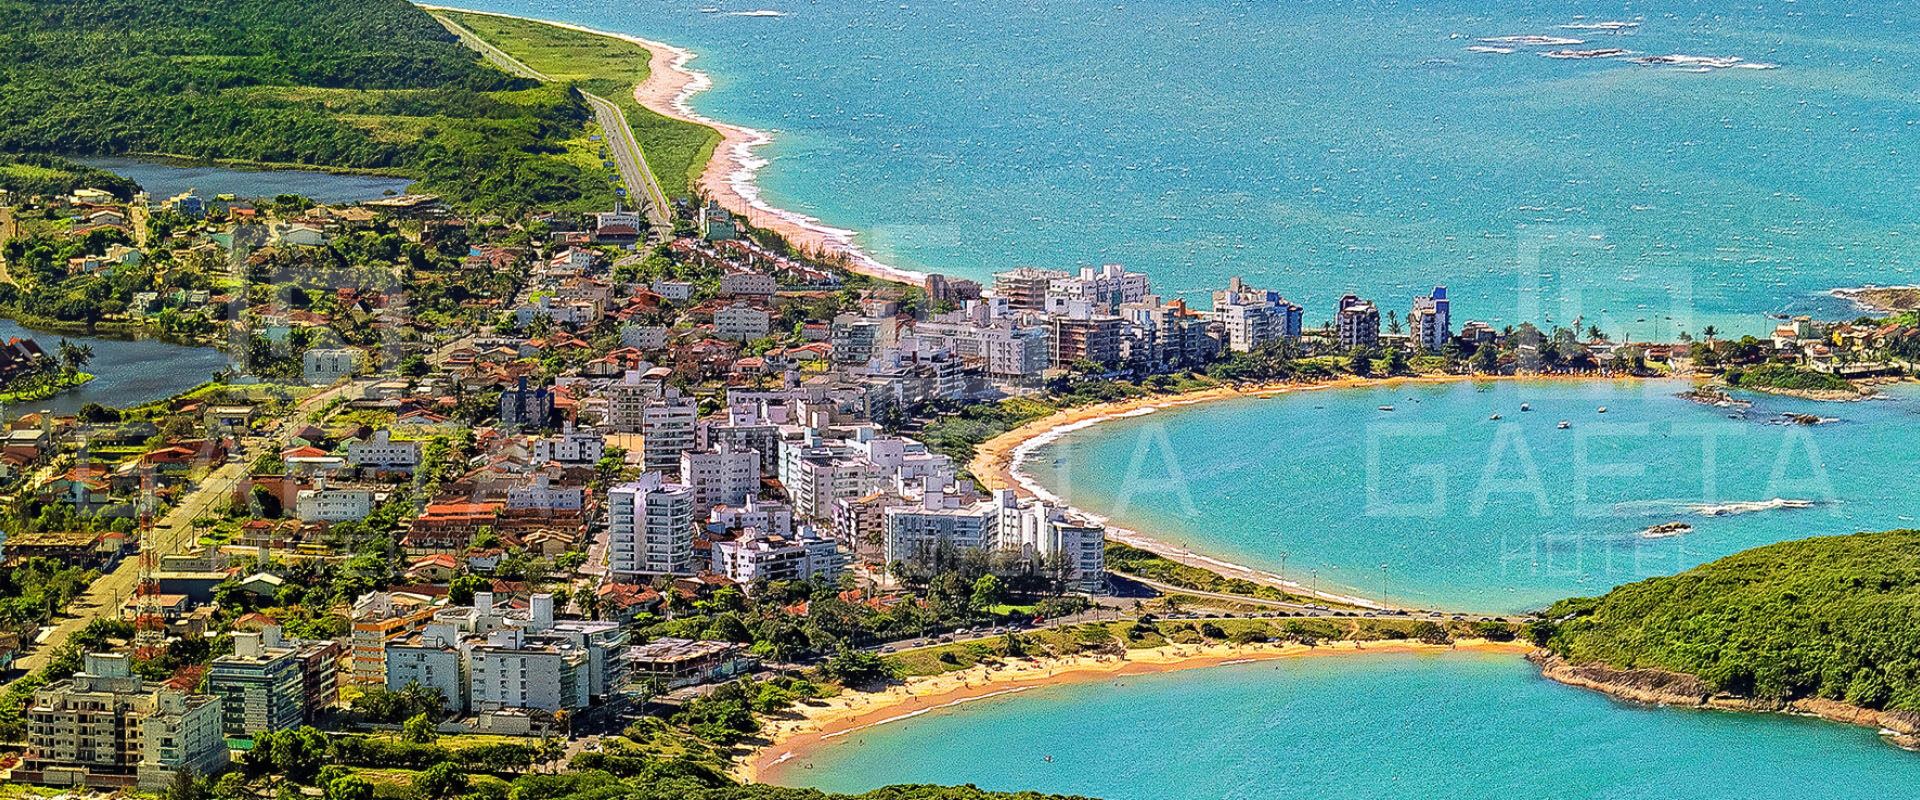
(1054, 542)
(673, 290)
(512, 670)
(721, 475)
(537, 492)
(1007, 349)
(759, 555)
(324, 366)
(748, 283)
(816, 473)
(572, 313)
(1107, 288)
(669, 426)
(650, 526)
(745, 429)
(434, 661)
(771, 516)
(741, 323)
(1253, 317)
(643, 337)
(1430, 321)
(321, 504)
(582, 447)
(379, 453)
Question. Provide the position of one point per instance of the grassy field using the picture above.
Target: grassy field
(676, 151)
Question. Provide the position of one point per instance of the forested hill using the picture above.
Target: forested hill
(1834, 617)
(360, 84)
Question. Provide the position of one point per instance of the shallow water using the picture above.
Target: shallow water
(1322, 147)
(1467, 512)
(1459, 725)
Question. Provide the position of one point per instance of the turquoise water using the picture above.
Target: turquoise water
(1459, 726)
(1321, 147)
(126, 372)
(1471, 513)
(163, 180)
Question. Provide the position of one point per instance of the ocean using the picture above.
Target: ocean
(1319, 147)
(1437, 505)
(1459, 725)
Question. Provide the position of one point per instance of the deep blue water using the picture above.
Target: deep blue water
(1320, 147)
(1459, 726)
(164, 180)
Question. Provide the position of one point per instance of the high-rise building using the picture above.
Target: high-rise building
(1357, 322)
(650, 526)
(720, 475)
(1025, 289)
(260, 685)
(1430, 322)
(106, 728)
(669, 426)
(1253, 317)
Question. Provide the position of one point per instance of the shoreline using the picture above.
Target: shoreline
(1676, 689)
(997, 462)
(851, 712)
(730, 173)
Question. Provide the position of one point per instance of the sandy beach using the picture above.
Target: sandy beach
(729, 177)
(996, 462)
(850, 712)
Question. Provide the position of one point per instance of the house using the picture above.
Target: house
(434, 568)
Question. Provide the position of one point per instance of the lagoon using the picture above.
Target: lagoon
(127, 372)
(164, 179)
(1468, 512)
(1463, 726)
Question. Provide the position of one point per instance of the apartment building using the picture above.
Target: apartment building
(1430, 323)
(105, 728)
(720, 475)
(650, 526)
(1357, 322)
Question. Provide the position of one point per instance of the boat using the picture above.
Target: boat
(1494, 417)
(1603, 410)
(1386, 408)
(1525, 407)
(1565, 424)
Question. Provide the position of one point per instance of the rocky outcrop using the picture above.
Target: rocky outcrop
(1667, 688)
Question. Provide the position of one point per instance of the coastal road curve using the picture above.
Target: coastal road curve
(627, 155)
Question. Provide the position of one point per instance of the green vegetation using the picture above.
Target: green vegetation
(1141, 563)
(676, 151)
(1787, 377)
(363, 85)
(35, 174)
(1833, 617)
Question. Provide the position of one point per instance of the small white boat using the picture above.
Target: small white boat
(1386, 408)
(1603, 410)
(1494, 417)
(1565, 424)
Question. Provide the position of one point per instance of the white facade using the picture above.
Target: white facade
(1430, 321)
(741, 323)
(323, 366)
(321, 504)
(669, 426)
(721, 475)
(508, 671)
(650, 526)
(1253, 317)
(537, 492)
(758, 555)
(673, 290)
(643, 337)
(1108, 287)
(581, 447)
(748, 283)
(771, 516)
(434, 662)
(380, 453)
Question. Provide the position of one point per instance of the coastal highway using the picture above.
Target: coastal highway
(627, 156)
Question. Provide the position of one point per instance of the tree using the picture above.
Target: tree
(440, 780)
(855, 667)
(419, 729)
(988, 591)
(461, 589)
(1360, 361)
(352, 787)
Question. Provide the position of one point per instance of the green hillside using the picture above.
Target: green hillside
(367, 85)
(1835, 617)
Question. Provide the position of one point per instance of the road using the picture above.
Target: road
(627, 155)
(172, 533)
(6, 234)
(632, 163)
